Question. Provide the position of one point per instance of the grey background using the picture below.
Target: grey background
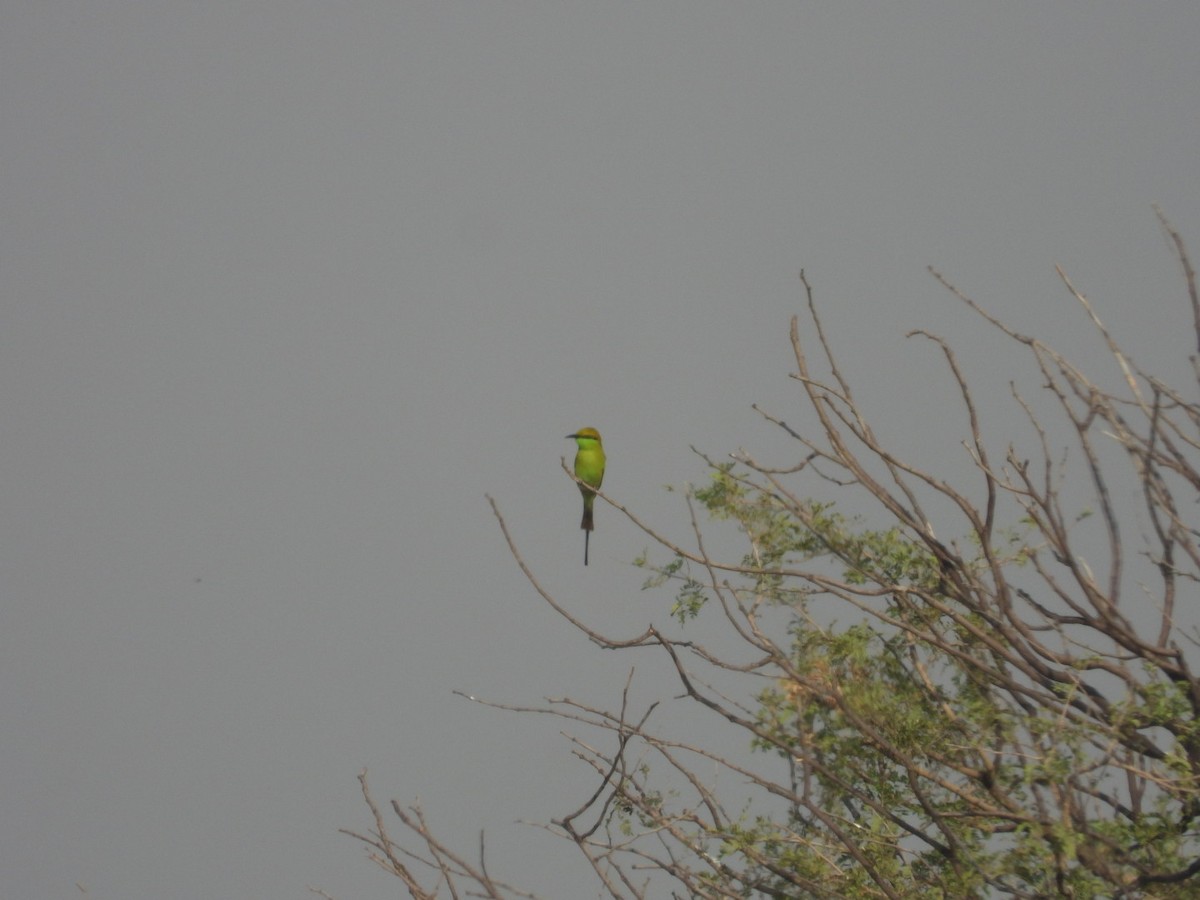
(286, 287)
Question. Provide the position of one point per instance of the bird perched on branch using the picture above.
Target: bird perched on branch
(589, 469)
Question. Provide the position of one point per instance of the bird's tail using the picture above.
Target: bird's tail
(587, 524)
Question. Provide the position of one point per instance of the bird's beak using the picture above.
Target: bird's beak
(571, 436)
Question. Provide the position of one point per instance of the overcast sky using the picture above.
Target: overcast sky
(286, 287)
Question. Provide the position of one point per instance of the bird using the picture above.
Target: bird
(589, 469)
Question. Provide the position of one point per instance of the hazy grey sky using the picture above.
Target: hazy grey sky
(286, 287)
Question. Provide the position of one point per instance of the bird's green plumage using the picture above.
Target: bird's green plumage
(589, 469)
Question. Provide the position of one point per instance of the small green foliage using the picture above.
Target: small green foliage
(690, 595)
(774, 532)
(689, 600)
(923, 766)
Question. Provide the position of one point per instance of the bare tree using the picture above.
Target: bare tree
(1009, 707)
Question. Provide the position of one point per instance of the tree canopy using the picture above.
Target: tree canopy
(975, 689)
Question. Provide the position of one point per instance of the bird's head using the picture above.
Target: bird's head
(585, 435)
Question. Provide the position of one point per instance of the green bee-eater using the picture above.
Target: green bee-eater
(589, 469)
